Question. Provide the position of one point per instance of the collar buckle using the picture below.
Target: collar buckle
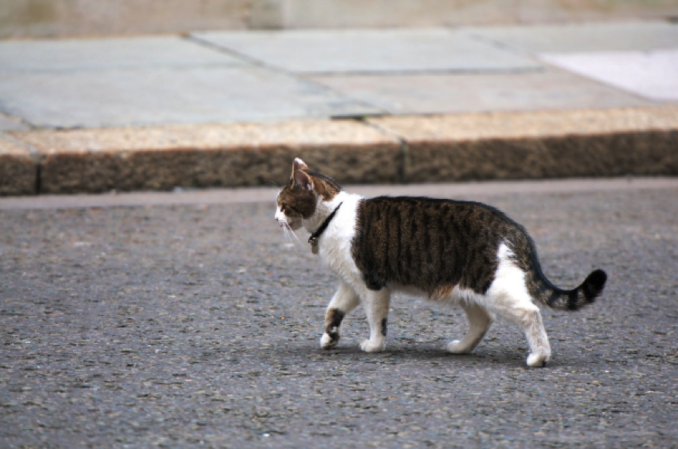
(313, 239)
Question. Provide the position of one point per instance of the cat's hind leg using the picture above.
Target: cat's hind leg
(521, 311)
(343, 302)
(530, 321)
(479, 321)
(540, 348)
(509, 298)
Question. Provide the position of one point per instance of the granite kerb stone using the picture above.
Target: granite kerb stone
(18, 168)
(538, 145)
(235, 155)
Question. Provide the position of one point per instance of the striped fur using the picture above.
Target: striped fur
(435, 245)
(457, 252)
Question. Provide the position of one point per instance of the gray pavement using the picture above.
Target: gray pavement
(160, 96)
(582, 37)
(225, 77)
(369, 51)
(439, 93)
(635, 72)
(196, 324)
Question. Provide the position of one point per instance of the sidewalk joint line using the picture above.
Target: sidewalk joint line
(272, 68)
(404, 148)
(31, 149)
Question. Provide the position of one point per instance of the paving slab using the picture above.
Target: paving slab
(10, 123)
(113, 53)
(445, 93)
(360, 51)
(651, 74)
(542, 144)
(18, 168)
(164, 95)
(162, 158)
(580, 37)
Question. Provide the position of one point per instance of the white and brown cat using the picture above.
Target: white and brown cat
(458, 252)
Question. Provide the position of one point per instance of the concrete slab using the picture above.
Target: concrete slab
(161, 158)
(443, 93)
(9, 123)
(652, 74)
(543, 144)
(18, 172)
(581, 37)
(362, 51)
(91, 54)
(152, 96)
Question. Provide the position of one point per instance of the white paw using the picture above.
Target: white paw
(369, 346)
(456, 347)
(537, 359)
(326, 342)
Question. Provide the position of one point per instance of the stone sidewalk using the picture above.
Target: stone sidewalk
(409, 105)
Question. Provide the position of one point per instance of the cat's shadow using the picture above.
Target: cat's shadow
(425, 354)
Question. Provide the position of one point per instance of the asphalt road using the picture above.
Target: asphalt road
(198, 326)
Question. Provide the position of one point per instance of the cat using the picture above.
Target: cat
(457, 252)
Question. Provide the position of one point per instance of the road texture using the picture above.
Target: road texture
(197, 325)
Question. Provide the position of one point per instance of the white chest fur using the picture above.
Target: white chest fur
(335, 243)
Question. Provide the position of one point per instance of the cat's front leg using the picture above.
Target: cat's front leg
(343, 302)
(376, 307)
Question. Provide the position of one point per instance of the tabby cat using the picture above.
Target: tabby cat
(458, 252)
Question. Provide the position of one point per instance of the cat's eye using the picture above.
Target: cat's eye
(285, 206)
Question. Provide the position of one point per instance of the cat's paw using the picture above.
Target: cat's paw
(329, 341)
(537, 360)
(456, 347)
(370, 346)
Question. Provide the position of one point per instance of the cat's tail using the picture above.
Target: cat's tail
(556, 298)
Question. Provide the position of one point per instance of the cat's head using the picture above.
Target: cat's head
(302, 196)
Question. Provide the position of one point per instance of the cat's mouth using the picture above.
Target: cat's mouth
(292, 225)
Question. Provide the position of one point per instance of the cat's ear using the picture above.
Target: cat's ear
(299, 169)
(299, 165)
(302, 180)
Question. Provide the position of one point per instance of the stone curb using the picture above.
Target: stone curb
(394, 149)
(538, 145)
(162, 158)
(18, 169)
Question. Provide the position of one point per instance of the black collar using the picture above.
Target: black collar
(313, 239)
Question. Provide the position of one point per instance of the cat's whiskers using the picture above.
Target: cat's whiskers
(287, 230)
(294, 234)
